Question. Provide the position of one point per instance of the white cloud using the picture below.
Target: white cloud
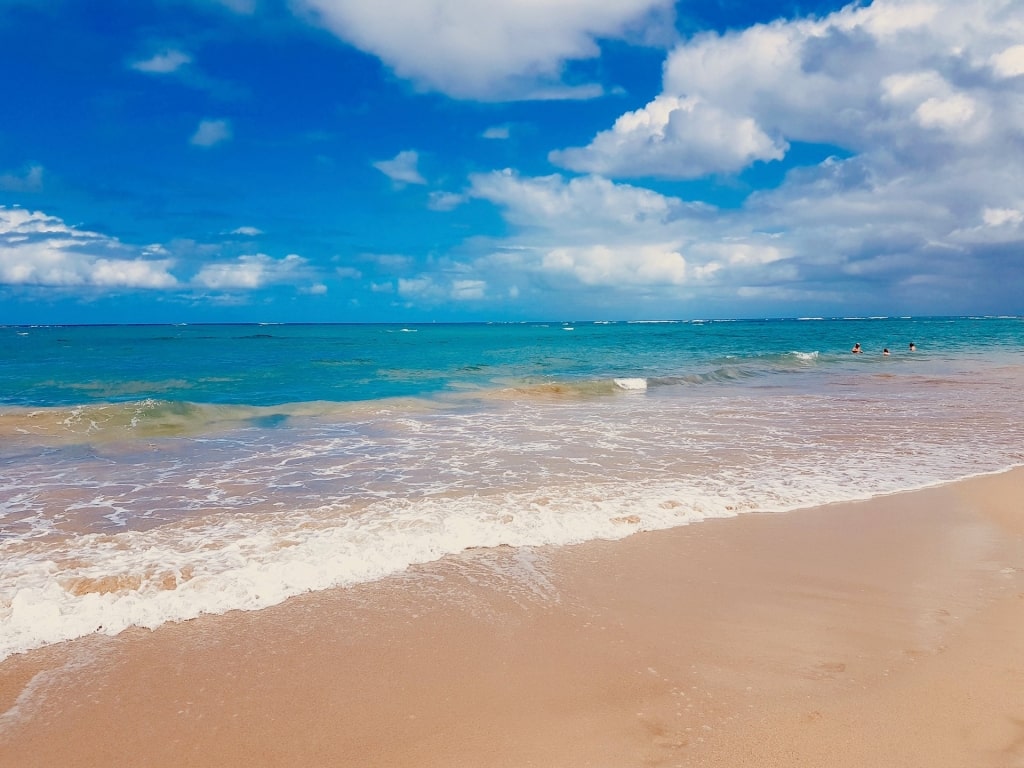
(41, 250)
(418, 287)
(577, 204)
(895, 77)
(468, 290)
(437, 289)
(164, 62)
(930, 100)
(999, 217)
(249, 272)
(840, 234)
(948, 113)
(1009, 62)
(133, 273)
(590, 232)
(497, 132)
(886, 20)
(393, 262)
(490, 51)
(247, 231)
(920, 208)
(38, 250)
(743, 253)
(445, 201)
(29, 181)
(402, 168)
(677, 138)
(211, 132)
(622, 266)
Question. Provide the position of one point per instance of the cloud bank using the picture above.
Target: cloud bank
(920, 204)
(42, 251)
(872, 160)
(906, 79)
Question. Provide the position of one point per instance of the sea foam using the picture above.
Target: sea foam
(634, 385)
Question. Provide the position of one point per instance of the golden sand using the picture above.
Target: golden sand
(880, 634)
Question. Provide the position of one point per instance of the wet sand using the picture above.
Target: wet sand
(883, 633)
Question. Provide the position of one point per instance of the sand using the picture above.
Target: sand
(882, 633)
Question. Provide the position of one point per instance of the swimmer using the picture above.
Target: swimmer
(913, 347)
(885, 351)
(856, 349)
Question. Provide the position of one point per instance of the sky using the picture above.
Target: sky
(456, 160)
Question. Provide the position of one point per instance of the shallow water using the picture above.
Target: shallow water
(153, 473)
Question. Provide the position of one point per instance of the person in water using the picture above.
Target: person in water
(856, 349)
(913, 347)
(885, 351)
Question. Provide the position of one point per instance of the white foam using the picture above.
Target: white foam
(247, 522)
(635, 384)
(107, 583)
(112, 582)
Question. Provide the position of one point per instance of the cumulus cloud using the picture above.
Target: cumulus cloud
(402, 168)
(833, 236)
(920, 207)
(590, 232)
(162, 63)
(896, 77)
(1008, 62)
(439, 289)
(211, 132)
(676, 138)
(490, 51)
(41, 250)
(603, 265)
(247, 231)
(999, 217)
(579, 204)
(249, 272)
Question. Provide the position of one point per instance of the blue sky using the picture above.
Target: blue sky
(419, 160)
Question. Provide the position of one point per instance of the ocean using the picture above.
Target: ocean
(155, 473)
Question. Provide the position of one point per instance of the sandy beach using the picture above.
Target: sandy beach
(881, 633)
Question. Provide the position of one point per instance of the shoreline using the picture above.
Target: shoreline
(880, 632)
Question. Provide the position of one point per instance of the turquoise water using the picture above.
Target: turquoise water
(273, 365)
(153, 473)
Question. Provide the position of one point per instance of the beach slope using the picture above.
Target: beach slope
(882, 633)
